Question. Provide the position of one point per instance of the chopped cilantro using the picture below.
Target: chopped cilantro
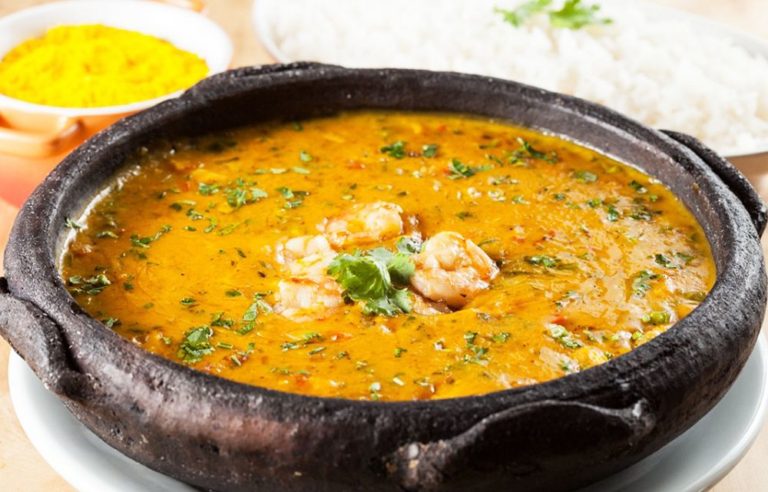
(90, 286)
(293, 198)
(429, 150)
(259, 305)
(639, 188)
(527, 152)
(561, 334)
(409, 244)
(663, 261)
(575, 15)
(585, 176)
(395, 149)
(612, 214)
(543, 260)
(106, 234)
(71, 224)
(641, 282)
(207, 189)
(196, 344)
(501, 337)
(459, 170)
(520, 14)
(594, 202)
(144, 242)
(571, 15)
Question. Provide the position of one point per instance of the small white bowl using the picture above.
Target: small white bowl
(36, 130)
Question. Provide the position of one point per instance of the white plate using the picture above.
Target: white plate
(263, 9)
(693, 462)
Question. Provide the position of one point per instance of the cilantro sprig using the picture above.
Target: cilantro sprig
(375, 278)
(459, 170)
(572, 14)
(196, 344)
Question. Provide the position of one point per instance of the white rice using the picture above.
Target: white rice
(663, 72)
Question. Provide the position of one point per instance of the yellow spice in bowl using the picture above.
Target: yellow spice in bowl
(88, 66)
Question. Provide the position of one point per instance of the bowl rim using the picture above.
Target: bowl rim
(748, 41)
(225, 53)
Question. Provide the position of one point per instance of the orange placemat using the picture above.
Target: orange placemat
(7, 215)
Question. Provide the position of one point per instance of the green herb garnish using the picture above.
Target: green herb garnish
(207, 189)
(259, 305)
(375, 278)
(144, 242)
(196, 344)
(528, 152)
(571, 15)
(409, 244)
(520, 14)
(612, 214)
(71, 224)
(90, 286)
(395, 149)
(459, 170)
(585, 176)
(429, 150)
(293, 198)
(561, 334)
(575, 15)
(543, 260)
(106, 234)
(641, 282)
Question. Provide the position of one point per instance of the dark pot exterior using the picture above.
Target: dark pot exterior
(221, 435)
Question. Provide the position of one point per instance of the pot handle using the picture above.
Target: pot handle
(730, 175)
(514, 439)
(38, 340)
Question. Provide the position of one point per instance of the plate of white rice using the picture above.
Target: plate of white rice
(665, 68)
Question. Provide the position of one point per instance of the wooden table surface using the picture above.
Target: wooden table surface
(22, 468)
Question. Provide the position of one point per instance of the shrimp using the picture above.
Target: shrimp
(427, 308)
(310, 293)
(303, 299)
(364, 223)
(451, 269)
(306, 256)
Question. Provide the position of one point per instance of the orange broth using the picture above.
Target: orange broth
(595, 257)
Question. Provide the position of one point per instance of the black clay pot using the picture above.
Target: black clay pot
(222, 435)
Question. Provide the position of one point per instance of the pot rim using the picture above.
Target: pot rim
(34, 276)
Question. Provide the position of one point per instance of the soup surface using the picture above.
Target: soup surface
(386, 256)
